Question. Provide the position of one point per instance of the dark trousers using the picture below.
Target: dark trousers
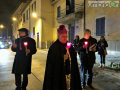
(86, 69)
(18, 81)
(102, 59)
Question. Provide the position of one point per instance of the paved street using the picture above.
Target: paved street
(104, 79)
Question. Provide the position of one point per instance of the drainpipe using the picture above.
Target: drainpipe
(84, 14)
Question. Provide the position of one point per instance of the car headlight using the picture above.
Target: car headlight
(0, 43)
(9, 42)
(2, 46)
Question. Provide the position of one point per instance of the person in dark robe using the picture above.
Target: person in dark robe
(76, 44)
(62, 71)
(24, 47)
(88, 47)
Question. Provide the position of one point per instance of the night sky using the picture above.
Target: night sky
(7, 8)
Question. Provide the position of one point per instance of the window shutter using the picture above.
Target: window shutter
(33, 30)
(58, 11)
(98, 25)
(103, 26)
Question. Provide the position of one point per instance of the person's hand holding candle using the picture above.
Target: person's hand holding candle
(69, 45)
(86, 45)
(27, 50)
(67, 54)
(15, 45)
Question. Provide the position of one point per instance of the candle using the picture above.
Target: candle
(86, 43)
(69, 44)
(25, 44)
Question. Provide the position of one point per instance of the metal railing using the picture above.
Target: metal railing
(69, 10)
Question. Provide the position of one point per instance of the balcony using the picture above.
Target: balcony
(25, 5)
(69, 15)
(54, 1)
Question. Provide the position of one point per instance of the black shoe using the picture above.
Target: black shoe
(91, 87)
(24, 89)
(18, 88)
(83, 86)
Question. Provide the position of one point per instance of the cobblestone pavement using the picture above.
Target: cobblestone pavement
(103, 79)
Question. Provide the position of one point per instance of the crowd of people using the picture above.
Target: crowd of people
(61, 72)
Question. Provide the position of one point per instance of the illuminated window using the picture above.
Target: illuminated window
(34, 7)
(28, 14)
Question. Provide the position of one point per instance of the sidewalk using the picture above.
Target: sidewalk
(103, 79)
(111, 60)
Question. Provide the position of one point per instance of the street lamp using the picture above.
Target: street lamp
(14, 19)
(34, 15)
(1, 26)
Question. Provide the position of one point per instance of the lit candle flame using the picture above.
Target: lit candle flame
(86, 43)
(69, 44)
(25, 43)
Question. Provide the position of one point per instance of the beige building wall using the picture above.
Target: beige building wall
(61, 3)
(78, 23)
(112, 20)
(112, 26)
(43, 23)
(18, 23)
(47, 22)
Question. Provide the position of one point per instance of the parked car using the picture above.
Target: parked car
(4, 44)
(9, 41)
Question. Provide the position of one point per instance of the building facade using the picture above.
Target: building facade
(102, 18)
(52, 13)
(37, 17)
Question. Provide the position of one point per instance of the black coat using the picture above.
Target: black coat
(22, 63)
(55, 70)
(100, 48)
(89, 58)
(76, 47)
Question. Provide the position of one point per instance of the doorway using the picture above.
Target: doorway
(71, 32)
(38, 40)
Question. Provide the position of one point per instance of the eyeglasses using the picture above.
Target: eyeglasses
(64, 36)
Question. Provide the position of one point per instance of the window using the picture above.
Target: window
(34, 7)
(33, 31)
(100, 26)
(58, 11)
(28, 14)
(24, 17)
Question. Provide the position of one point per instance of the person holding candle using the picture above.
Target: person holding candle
(24, 47)
(62, 71)
(87, 47)
(76, 43)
